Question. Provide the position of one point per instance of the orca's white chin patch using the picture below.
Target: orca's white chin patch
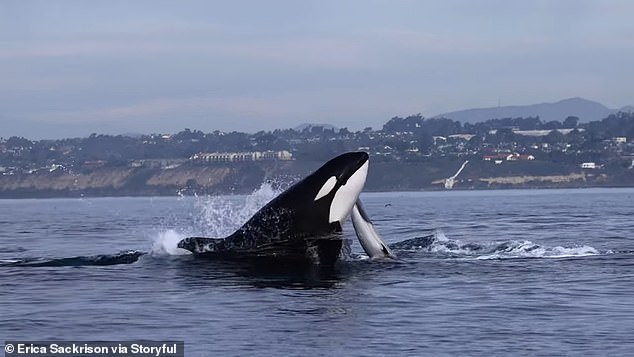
(347, 195)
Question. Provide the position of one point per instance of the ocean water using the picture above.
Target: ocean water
(517, 272)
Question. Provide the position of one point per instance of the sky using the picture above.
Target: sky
(72, 68)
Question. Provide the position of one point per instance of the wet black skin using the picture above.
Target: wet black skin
(292, 226)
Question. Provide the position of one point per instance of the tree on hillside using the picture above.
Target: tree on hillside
(570, 122)
(409, 124)
(18, 142)
(554, 137)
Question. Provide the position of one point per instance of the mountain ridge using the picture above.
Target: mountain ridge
(586, 110)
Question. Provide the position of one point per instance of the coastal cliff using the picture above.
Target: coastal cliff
(239, 178)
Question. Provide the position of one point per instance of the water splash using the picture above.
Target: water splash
(219, 216)
(165, 243)
(212, 216)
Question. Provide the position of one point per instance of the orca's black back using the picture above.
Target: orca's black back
(292, 219)
(294, 225)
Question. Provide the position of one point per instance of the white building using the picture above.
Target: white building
(242, 156)
(466, 137)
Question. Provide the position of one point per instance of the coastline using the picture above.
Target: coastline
(244, 178)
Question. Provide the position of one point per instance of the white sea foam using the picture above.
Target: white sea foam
(443, 246)
(8, 261)
(528, 249)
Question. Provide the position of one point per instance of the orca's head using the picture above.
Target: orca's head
(339, 182)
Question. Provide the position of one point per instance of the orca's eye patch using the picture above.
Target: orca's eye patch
(326, 188)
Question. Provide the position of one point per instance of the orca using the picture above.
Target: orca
(369, 238)
(302, 223)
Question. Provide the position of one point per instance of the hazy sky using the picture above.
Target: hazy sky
(70, 68)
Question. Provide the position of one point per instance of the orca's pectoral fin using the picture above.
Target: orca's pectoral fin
(199, 245)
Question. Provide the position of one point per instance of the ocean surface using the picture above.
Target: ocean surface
(514, 272)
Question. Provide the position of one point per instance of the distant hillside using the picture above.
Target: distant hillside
(585, 110)
(627, 109)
